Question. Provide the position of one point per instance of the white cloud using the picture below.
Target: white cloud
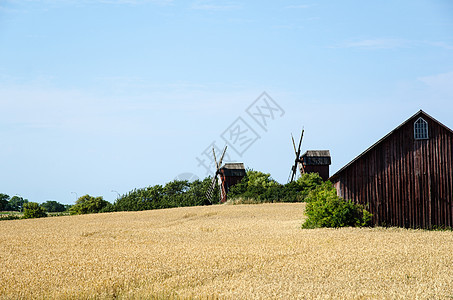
(442, 83)
(392, 43)
(81, 2)
(215, 5)
(443, 45)
(132, 2)
(377, 43)
(132, 105)
(299, 6)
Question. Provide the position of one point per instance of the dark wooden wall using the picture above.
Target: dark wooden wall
(402, 181)
(229, 181)
(323, 171)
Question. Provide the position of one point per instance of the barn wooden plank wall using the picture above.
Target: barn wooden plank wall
(404, 182)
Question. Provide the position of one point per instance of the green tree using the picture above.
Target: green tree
(299, 189)
(3, 201)
(16, 203)
(53, 206)
(174, 194)
(88, 204)
(33, 210)
(196, 195)
(140, 199)
(255, 185)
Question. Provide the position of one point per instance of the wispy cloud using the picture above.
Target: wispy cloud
(132, 2)
(443, 45)
(440, 82)
(79, 2)
(376, 43)
(215, 5)
(391, 43)
(300, 6)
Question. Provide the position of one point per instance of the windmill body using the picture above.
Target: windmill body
(316, 161)
(312, 161)
(226, 176)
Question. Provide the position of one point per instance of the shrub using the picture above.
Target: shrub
(298, 190)
(256, 185)
(16, 203)
(176, 193)
(325, 209)
(3, 201)
(53, 206)
(108, 208)
(259, 187)
(87, 205)
(33, 210)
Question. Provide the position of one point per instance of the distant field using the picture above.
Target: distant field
(222, 251)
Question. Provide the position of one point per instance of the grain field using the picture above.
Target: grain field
(222, 251)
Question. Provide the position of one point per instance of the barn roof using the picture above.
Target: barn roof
(418, 114)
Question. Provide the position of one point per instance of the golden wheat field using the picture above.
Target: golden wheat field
(222, 251)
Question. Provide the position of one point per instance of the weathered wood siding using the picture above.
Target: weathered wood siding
(323, 171)
(403, 181)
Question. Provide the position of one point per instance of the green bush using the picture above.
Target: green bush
(108, 208)
(33, 210)
(3, 201)
(88, 205)
(259, 187)
(176, 193)
(53, 206)
(325, 209)
(16, 204)
(256, 185)
(298, 190)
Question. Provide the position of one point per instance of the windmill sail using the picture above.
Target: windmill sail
(217, 177)
(297, 161)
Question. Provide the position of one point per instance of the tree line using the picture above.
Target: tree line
(324, 208)
(17, 204)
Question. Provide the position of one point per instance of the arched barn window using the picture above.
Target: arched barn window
(421, 129)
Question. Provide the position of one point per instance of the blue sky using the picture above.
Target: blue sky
(102, 95)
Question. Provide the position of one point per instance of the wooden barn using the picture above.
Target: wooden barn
(406, 178)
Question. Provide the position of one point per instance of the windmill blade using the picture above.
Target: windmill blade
(221, 158)
(222, 191)
(300, 143)
(294, 144)
(301, 168)
(210, 190)
(297, 152)
(293, 171)
(215, 159)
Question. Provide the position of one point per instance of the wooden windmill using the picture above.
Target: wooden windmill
(297, 161)
(220, 179)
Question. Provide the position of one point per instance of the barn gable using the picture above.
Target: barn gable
(405, 179)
